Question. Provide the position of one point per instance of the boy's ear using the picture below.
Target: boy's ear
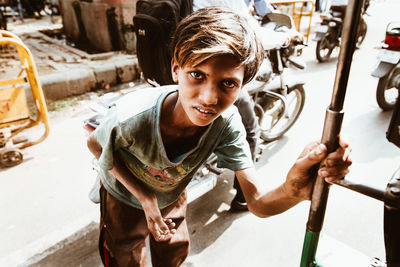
(174, 71)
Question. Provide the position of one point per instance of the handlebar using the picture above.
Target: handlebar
(297, 42)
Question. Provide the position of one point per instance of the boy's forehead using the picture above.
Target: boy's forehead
(228, 60)
(223, 65)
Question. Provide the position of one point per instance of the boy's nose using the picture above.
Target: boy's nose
(209, 94)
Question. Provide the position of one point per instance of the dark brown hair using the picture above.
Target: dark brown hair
(216, 31)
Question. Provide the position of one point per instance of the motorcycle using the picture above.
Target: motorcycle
(328, 34)
(278, 101)
(388, 68)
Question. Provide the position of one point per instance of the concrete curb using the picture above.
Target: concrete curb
(72, 82)
(65, 71)
(95, 75)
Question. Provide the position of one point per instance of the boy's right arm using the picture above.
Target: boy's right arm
(161, 229)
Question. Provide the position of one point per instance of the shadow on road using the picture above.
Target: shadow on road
(78, 250)
(209, 216)
(374, 134)
(270, 149)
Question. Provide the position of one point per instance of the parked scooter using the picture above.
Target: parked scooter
(388, 68)
(328, 34)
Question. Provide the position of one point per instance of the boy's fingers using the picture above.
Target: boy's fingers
(344, 148)
(340, 157)
(163, 227)
(334, 178)
(312, 156)
(309, 147)
(336, 169)
(344, 144)
(163, 237)
(164, 230)
(171, 226)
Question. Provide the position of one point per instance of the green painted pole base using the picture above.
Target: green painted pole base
(309, 250)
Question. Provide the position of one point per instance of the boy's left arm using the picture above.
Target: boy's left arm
(298, 184)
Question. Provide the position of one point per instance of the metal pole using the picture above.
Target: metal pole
(332, 126)
(370, 191)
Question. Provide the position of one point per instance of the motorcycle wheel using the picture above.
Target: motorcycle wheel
(324, 49)
(274, 123)
(386, 92)
(362, 32)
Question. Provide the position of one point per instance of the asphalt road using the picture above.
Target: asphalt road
(353, 228)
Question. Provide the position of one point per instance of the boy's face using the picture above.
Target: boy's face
(208, 89)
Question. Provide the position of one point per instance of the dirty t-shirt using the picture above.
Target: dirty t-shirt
(131, 133)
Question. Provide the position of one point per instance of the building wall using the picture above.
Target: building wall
(100, 25)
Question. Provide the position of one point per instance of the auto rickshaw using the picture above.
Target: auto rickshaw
(16, 115)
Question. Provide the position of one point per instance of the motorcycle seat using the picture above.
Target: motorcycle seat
(326, 16)
(337, 14)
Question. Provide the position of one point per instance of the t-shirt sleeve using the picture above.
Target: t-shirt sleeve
(110, 137)
(233, 151)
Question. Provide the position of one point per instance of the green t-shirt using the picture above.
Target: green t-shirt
(131, 133)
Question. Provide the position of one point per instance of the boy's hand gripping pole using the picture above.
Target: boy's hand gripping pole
(331, 131)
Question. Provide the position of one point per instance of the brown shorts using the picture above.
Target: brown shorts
(123, 230)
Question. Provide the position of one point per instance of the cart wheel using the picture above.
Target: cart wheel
(10, 157)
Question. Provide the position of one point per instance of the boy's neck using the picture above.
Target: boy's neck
(177, 137)
(171, 122)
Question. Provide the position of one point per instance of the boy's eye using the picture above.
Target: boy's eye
(197, 75)
(229, 84)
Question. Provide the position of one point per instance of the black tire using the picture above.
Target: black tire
(386, 92)
(362, 32)
(273, 124)
(324, 49)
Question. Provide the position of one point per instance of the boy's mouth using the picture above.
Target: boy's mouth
(204, 111)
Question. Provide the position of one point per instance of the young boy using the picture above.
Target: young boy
(154, 140)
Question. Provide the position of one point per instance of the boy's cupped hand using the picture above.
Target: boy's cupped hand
(334, 167)
(161, 229)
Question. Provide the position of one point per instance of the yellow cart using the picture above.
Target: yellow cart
(300, 9)
(15, 114)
